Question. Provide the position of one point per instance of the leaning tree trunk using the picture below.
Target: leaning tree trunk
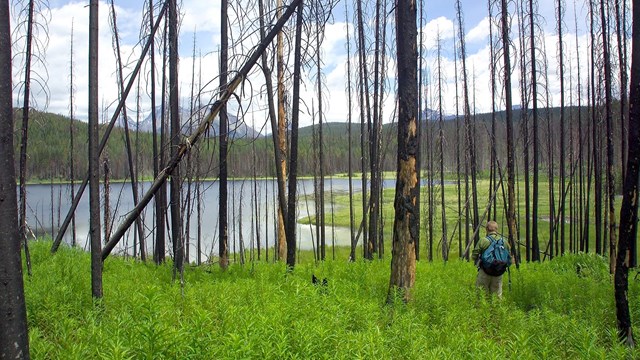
(629, 211)
(94, 155)
(405, 227)
(14, 339)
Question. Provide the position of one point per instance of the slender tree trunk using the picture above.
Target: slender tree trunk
(223, 250)
(291, 222)
(458, 188)
(492, 70)
(278, 127)
(320, 140)
(365, 116)
(405, 227)
(198, 174)
(159, 248)
(560, 18)
(622, 64)
(25, 135)
(282, 141)
(374, 202)
(511, 178)
(629, 210)
(467, 115)
(352, 253)
(535, 242)
(596, 151)
(609, 124)
(421, 112)
(14, 339)
(524, 117)
(443, 214)
(176, 211)
(71, 138)
(94, 155)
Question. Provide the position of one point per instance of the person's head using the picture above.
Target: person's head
(492, 227)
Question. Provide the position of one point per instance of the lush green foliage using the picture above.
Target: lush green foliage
(558, 309)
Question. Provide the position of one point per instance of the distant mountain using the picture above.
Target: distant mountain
(237, 129)
(433, 115)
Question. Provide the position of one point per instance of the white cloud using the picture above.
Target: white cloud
(334, 67)
(442, 26)
(479, 33)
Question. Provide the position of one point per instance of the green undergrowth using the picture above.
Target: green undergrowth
(562, 309)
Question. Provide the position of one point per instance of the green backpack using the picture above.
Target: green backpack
(495, 260)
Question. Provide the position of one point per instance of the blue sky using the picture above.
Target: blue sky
(203, 17)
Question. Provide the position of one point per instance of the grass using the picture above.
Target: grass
(453, 219)
(258, 311)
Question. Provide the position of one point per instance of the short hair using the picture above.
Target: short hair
(492, 226)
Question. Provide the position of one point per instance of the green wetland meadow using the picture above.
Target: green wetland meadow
(259, 311)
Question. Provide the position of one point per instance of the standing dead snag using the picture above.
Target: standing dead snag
(629, 211)
(293, 160)
(223, 248)
(511, 177)
(14, 340)
(405, 225)
(94, 155)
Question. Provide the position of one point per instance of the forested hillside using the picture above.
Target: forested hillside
(49, 155)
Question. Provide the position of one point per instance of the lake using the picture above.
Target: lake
(49, 204)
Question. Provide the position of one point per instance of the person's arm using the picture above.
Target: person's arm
(480, 247)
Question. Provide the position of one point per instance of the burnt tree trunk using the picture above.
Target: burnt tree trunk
(94, 155)
(629, 210)
(282, 141)
(176, 211)
(223, 250)
(405, 226)
(609, 126)
(14, 339)
(293, 162)
(25, 135)
(511, 176)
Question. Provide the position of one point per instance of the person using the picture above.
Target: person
(491, 284)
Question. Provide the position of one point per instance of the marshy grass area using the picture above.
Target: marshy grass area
(562, 308)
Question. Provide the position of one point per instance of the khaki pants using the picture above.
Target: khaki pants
(490, 283)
